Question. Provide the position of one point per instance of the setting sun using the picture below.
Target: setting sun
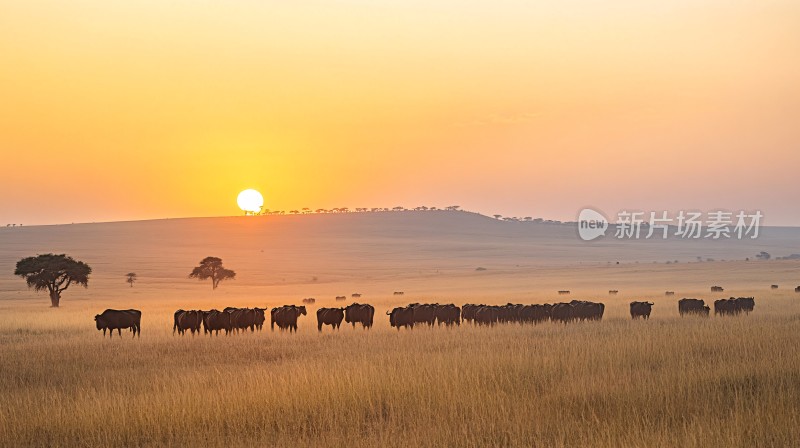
(250, 201)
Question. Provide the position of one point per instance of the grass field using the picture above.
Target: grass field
(666, 382)
(671, 381)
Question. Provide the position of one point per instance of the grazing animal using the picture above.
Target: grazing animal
(355, 295)
(641, 309)
(773, 286)
(563, 293)
(309, 300)
(401, 317)
(215, 320)
(693, 307)
(717, 289)
(359, 313)
(187, 321)
(424, 313)
(340, 298)
(286, 317)
(468, 312)
(562, 312)
(487, 315)
(797, 289)
(399, 293)
(330, 316)
(244, 318)
(584, 310)
(669, 293)
(734, 306)
(613, 292)
(447, 314)
(117, 320)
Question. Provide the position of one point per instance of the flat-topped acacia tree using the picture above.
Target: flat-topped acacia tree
(54, 273)
(211, 268)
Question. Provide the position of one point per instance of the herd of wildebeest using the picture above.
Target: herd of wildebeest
(232, 320)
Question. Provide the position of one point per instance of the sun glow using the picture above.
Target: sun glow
(250, 201)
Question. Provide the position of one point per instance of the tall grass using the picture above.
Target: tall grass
(668, 382)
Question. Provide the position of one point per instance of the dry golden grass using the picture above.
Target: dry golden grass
(667, 382)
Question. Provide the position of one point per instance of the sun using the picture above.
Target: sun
(250, 201)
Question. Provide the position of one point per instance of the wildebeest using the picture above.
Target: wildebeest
(717, 289)
(561, 312)
(585, 310)
(244, 318)
(448, 314)
(215, 320)
(359, 313)
(340, 298)
(286, 317)
(187, 321)
(309, 300)
(401, 317)
(468, 312)
(773, 286)
(797, 289)
(330, 316)
(734, 306)
(355, 295)
(693, 306)
(613, 292)
(641, 309)
(398, 293)
(669, 293)
(117, 320)
(535, 313)
(424, 313)
(487, 314)
(563, 292)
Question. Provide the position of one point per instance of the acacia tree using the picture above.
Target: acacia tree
(211, 268)
(53, 273)
(131, 278)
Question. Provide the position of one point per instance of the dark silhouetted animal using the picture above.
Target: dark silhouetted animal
(669, 293)
(309, 300)
(773, 286)
(447, 314)
(563, 292)
(562, 312)
(244, 318)
(692, 307)
(117, 320)
(330, 316)
(355, 295)
(215, 320)
(401, 317)
(613, 292)
(468, 312)
(286, 317)
(641, 309)
(187, 321)
(717, 289)
(359, 313)
(398, 293)
(584, 310)
(339, 298)
(734, 306)
(424, 313)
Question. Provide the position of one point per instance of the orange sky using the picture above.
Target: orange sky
(116, 110)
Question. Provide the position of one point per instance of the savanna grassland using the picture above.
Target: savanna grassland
(670, 381)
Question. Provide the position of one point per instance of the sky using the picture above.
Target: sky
(117, 110)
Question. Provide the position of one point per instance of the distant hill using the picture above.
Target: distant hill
(349, 248)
